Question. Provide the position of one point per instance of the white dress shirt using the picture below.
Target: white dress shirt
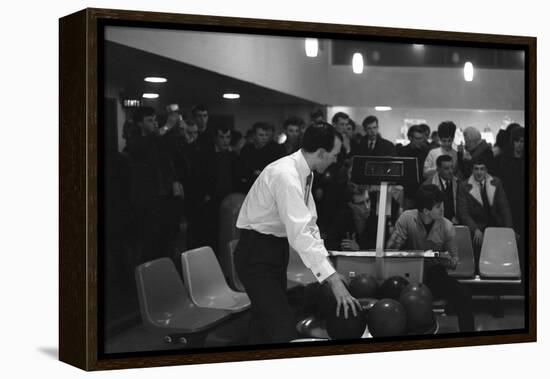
(430, 164)
(275, 205)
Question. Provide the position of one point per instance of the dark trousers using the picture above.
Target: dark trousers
(457, 295)
(261, 262)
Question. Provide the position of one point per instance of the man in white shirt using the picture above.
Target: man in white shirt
(446, 131)
(279, 210)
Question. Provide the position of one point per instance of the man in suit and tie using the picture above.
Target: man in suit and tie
(372, 143)
(447, 183)
(482, 203)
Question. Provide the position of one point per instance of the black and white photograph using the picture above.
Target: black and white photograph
(262, 189)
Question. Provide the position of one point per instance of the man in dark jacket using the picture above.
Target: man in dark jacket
(153, 188)
(475, 149)
(372, 143)
(482, 203)
(418, 149)
(254, 158)
(354, 227)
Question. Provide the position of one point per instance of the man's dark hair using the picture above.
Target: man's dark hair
(443, 158)
(297, 121)
(425, 128)
(512, 126)
(198, 108)
(414, 129)
(517, 134)
(428, 196)
(260, 125)
(446, 129)
(339, 115)
(317, 113)
(369, 120)
(221, 128)
(502, 140)
(320, 136)
(142, 112)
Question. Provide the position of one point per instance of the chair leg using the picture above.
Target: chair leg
(497, 309)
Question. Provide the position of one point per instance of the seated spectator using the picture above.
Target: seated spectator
(446, 131)
(474, 149)
(425, 228)
(447, 183)
(354, 226)
(372, 143)
(481, 203)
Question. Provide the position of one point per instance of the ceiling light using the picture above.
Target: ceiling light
(231, 96)
(357, 63)
(150, 95)
(418, 47)
(312, 47)
(468, 71)
(155, 79)
(382, 108)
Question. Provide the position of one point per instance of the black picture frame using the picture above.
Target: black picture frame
(80, 261)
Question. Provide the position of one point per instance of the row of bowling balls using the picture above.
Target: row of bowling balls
(394, 308)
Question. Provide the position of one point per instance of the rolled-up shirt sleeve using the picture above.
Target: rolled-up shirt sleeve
(300, 225)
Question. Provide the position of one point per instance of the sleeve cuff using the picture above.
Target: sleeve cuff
(323, 271)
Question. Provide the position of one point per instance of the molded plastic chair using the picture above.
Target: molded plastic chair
(234, 281)
(207, 286)
(297, 272)
(499, 254)
(466, 265)
(165, 304)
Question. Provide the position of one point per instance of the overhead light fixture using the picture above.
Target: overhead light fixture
(150, 95)
(455, 57)
(468, 71)
(382, 108)
(312, 47)
(357, 63)
(155, 79)
(231, 96)
(418, 47)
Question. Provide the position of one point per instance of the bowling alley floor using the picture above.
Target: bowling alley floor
(489, 316)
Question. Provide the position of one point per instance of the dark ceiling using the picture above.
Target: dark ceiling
(409, 55)
(187, 84)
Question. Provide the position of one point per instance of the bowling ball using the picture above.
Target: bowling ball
(367, 303)
(418, 309)
(338, 327)
(327, 301)
(362, 286)
(387, 318)
(391, 288)
(419, 288)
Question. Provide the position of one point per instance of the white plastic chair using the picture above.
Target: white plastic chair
(499, 254)
(207, 285)
(165, 304)
(466, 265)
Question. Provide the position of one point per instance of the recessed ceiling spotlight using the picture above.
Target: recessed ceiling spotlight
(468, 71)
(231, 96)
(150, 95)
(357, 63)
(312, 47)
(155, 79)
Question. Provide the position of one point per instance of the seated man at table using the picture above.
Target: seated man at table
(354, 227)
(425, 228)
